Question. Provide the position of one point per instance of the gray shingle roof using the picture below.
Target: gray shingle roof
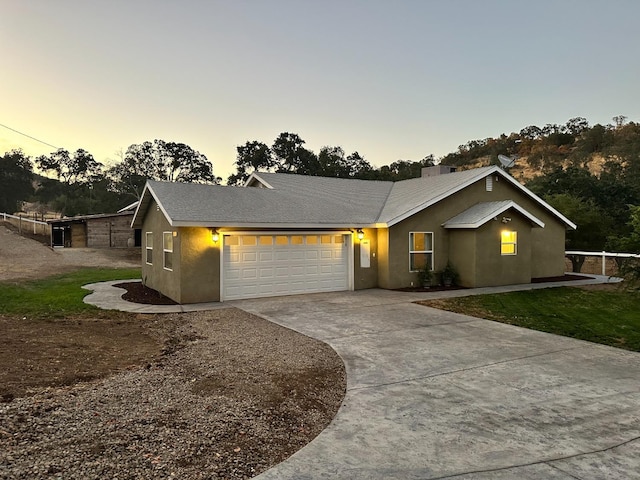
(298, 201)
(410, 196)
(479, 214)
(295, 202)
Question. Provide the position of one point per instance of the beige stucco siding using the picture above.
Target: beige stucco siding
(462, 245)
(199, 265)
(546, 244)
(366, 277)
(493, 268)
(154, 275)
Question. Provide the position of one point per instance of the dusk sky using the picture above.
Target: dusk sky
(390, 79)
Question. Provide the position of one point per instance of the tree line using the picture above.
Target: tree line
(82, 185)
(604, 202)
(78, 184)
(287, 154)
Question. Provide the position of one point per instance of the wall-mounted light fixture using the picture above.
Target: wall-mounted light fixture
(215, 236)
(360, 234)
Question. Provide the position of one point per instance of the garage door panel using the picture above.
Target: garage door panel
(266, 256)
(255, 266)
(249, 257)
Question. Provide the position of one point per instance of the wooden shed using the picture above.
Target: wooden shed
(95, 231)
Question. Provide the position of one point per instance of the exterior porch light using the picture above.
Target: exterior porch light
(360, 234)
(215, 236)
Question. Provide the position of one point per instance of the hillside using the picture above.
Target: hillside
(540, 151)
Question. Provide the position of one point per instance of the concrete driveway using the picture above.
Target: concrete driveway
(433, 394)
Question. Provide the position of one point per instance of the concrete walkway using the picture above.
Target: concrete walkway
(108, 297)
(434, 394)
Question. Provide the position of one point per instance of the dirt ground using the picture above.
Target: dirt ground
(262, 391)
(24, 258)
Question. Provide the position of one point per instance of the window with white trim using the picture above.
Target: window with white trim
(167, 250)
(420, 250)
(508, 243)
(148, 244)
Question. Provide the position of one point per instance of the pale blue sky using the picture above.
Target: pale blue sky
(392, 80)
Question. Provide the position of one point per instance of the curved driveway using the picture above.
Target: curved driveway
(433, 394)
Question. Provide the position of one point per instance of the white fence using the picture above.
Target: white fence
(25, 223)
(603, 255)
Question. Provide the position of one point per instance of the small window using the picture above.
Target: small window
(149, 247)
(249, 240)
(231, 240)
(420, 250)
(509, 243)
(339, 239)
(312, 239)
(297, 240)
(325, 239)
(266, 240)
(282, 240)
(167, 250)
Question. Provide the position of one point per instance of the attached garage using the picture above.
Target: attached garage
(263, 264)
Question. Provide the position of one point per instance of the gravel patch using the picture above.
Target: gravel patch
(232, 395)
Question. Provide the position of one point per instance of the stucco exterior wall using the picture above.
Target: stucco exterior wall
(199, 265)
(462, 245)
(155, 275)
(546, 244)
(493, 268)
(366, 277)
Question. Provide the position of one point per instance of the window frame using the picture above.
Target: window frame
(514, 243)
(412, 252)
(165, 251)
(148, 249)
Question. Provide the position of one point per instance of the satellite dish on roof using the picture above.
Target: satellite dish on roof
(507, 162)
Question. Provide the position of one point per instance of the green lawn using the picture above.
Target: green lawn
(607, 317)
(56, 296)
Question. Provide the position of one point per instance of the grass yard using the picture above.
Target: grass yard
(57, 296)
(610, 317)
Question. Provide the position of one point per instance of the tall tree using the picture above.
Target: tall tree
(79, 168)
(290, 154)
(77, 174)
(252, 156)
(159, 160)
(16, 174)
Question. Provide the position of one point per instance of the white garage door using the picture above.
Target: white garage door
(264, 265)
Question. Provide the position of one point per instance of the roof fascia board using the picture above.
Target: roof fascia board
(314, 226)
(148, 188)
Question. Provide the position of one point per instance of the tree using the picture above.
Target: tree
(77, 175)
(252, 156)
(629, 267)
(291, 156)
(159, 160)
(16, 175)
(79, 168)
(593, 224)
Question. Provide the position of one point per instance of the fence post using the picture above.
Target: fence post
(604, 259)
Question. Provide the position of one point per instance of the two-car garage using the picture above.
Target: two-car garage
(263, 264)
